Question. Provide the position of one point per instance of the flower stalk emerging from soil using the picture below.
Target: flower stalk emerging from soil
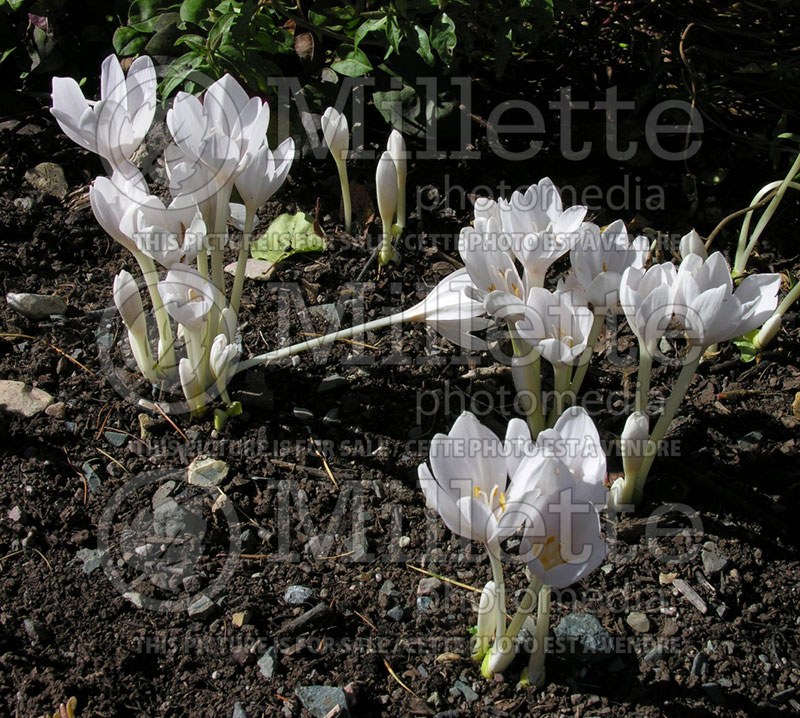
(337, 136)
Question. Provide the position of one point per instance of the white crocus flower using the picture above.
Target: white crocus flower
(486, 253)
(129, 304)
(450, 310)
(599, 260)
(168, 235)
(647, 298)
(386, 188)
(222, 360)
(264, 174)
(692, 243)
(396, 147)
(114, 126)
(337, 137)
(541, 230)
(709, 308)
(111, 198)
(487, 621)
(187, 296)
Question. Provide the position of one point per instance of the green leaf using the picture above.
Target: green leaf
(128, 41)
(421, 43)
(747, 348)
(287, 235)
(142, 15)
(443, 37)
(368, 27)
(354, 64)
(195, 11)
(394, 34)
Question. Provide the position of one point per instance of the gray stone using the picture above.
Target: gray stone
(396, 613)
(201, 607)
(360, 548)
(162, 494)
(258, 269)
(92, 559)
(749, 440)
(331, 383)
(428, 586)
(21, 399)
(37, 632)
(329, 313)
(303, 414)
(205, 471)
(36, 306)
(638, 621)
(295, 595)
(656, 653)
(425, 603)
(168, 518)
(466, 691)
(57, 410)
(134, 597)
(91, 476)
(321, 700)
(239, 711)
(48, 177)
(700, 665)
(332, 417)
(266, 664)
(115, 438)
(713, 563)
(584, 637)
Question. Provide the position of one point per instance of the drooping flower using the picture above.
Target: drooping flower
(450, 309)
(114, 126)
(647, 298)
(709, 308)
(600, 258)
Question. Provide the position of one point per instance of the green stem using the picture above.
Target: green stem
(167, 366)
(586, 357)
(660, 430)
(643, 379)
(742, 256)
(526, 372)
(241, 262)
(536, 663)
(341, 166)
(561, 384)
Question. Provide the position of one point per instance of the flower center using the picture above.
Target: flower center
(550, 555)
(495, 500)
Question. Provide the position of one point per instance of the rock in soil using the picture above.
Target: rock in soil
(584, 637)
(321, 700)
(19, 398)
(36, 306)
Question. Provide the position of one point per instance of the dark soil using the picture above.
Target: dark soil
(311, 470)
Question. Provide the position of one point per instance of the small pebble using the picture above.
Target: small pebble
(295, 595)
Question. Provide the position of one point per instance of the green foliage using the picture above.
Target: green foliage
(287, 235)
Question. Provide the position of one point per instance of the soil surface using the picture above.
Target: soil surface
(697, 601)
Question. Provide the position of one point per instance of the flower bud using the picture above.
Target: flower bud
(633, 442)
(692, 244)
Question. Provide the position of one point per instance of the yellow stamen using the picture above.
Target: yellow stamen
(550, 556)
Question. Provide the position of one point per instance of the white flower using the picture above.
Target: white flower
(112, 197)
(166, 234)
(386, 188)
(541, 230)
(647, 300)
(187, 296)
(115, 126)
(336, 133)
(691, 243)
(710, 310)
(221, 133)
(486, 253)
(265, 172)
(450, 309)
(223, 359)
(396, 147)
(563, 480)
(549, 321)
(600, 258)
(633, 442)
(467, 483)
(129, 304)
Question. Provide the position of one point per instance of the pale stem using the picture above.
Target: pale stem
(195, 350)
(241, 262)
(561, 376)
(167, 365)
(140, 347)
(220, 230)
(500, 592)
(202, 263)
(322, 341)
(526, 372)
(660, 429)
(500, 659)
(341, 166)
(401, 202)
(643, 379)
(743, 255)
(536, 662)
(586, 357)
